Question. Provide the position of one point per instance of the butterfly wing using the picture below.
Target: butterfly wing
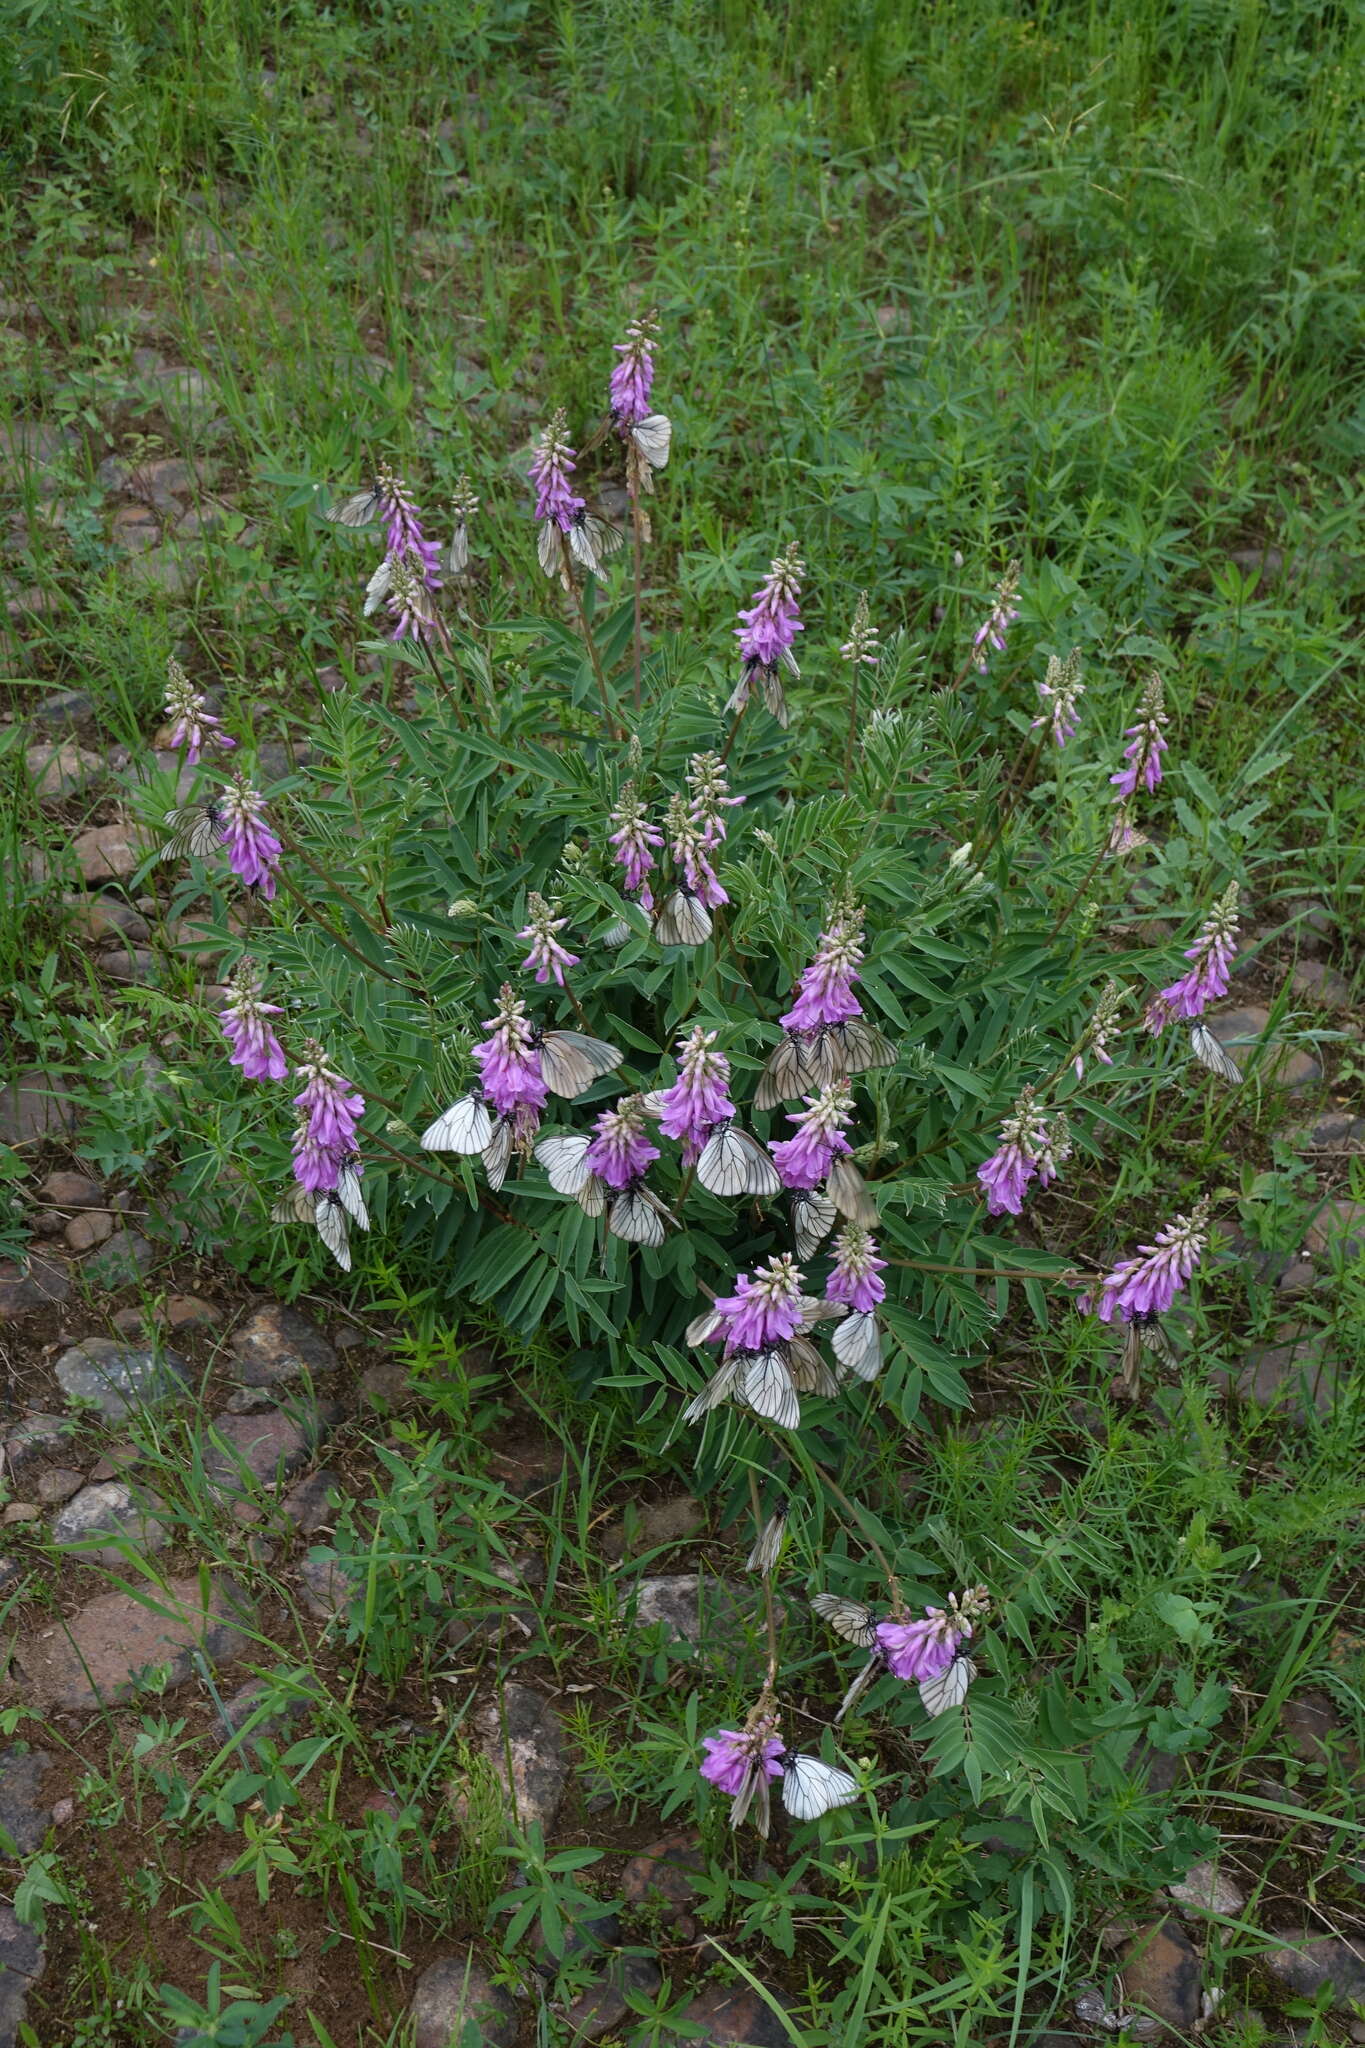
(349, 1194)
(566, 1163)
(949, 1688)
(718, 1388)
(497, 1153)
(569, 1062)
(356, 511)
(466, 1126)
(775, 697)
(848, 1618)
(196, 830)
(593, 1196)
(732, 1163)
(653, 437)
(812, 1221)
(457, 554)
(848, 1191)
(783, 1077)
(766, 1386)
(683, 921)
(811, 1787)
(862, 1045)
(377, 589)
(332, 1228)
(857, 1342)
(637, 1216)
(810, 1374)
(296, 1205)
(1152, 1337)
(549, 547)
(1211, 1054)
(859, 1686)
(768, 1549)
(702, 1328)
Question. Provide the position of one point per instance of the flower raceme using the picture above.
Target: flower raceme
(700, 1097)
(1060, 692)
(620, 1152)
(917, 1650)
(764, 1311)
(556, 500)
(805, 1160)
(992, 635)
(826, 989)
(255, 1048)
(1147, 744)
(509, 1065)
(195, 725)
(635, 841)
(856, 1279)
(548, 957)
(709, 791)
(1212, 953)
(1147, 1284)
(632, 379)
(1030, 1147)
(329, 1111)
(253, 851)
(767, 633)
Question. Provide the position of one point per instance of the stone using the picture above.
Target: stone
(1207, 1889)
(18, 1511)
(277, 1344)
(135, 967)
(165, 568)
(1338, 1131)
(522, 1731)
(1315, 1731)
(1307, 1965)
(248, 1451)
(188, 397)
(62, 770)
(455, 2001)
(134, 528)
(256, 1693)
(603, 2003)
(63, 711)
(665, 1879)
(96, 1658)
(722, 2016)
(1240, 1032)
(308, 1505)
(673, 1520)
(121, 1261)
(716, 1614)
(1319, 983)
(33, 445)
(72, 1191)
(58, 1484)
(34, 1105)
(1161, 1975)
(84, 1232)
(1313, 924)
(105, 917)
(21, 1965)
(327, 1586)
(1338, 1230)
(132, 1321)
(1291, 1375)
(248, 1400)
(120, 1378)
(109, 1509)
(387, 1386)
(108, 852)
(32, 1284)
(33, 1440)
(188, 1312)
(23, 1812)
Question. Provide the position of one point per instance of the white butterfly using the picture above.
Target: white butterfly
(702, 1328)
(197, 829)
(949, 1688)
(848, 1618)
(497, 1153)
(766, 1552)
(717, 1389)
(377, 589)
(810, 1374)
(683, 920)
(348, 1192)
(792, 1069)
(733, 1163)
(858, 1344)
(653, 437)
(457, 554)
(855, 1045)
(811, 1787)
(766, 1386)
(812, 1221)
(358, 510)
(847, 1190)
(570, 1063)
(466, 1126)
(327, 1215)
(565, 1160)
(1211, 1054)
(638, 1216)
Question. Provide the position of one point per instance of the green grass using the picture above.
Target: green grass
(940, 286)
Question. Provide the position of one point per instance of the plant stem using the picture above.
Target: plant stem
(769, 1611)
(613, 728)
(1086, 880)
(637, 554)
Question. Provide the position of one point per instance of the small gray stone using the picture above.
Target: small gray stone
(105, 917)
(327, 1586)
(92, 1227)
(31, 447)
(259, 1450)
(387, 1386)
(120, 1378)
(1338, 1131)
(58, 1485)
(23, 1811)
(522, 1731)
(1242, 1031)
(277, 1344)
(120, 1262)
(456, 2001)
(1338, 1230)
(1309, 1964)
(98, 1656)
(1207, 1889)
(63, 711)
(1161, 1975)
(21, 1965)
(61, 770)
(309, 1504)
(1292, 1374)
(34, 1105)
(72, 1191)
(714, 1614)
(726, 2016)
(673, 1520)
(40, 1279)
(256, 1693)
(108, 852)
(33, 1440)
(109, 1509)
(602, 2004)
(1319, 983)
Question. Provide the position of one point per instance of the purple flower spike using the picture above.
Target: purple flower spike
(826, 995)
(405, 538)
(195, 725)
(731, 1756)
(700, 1097)
(255, 1048)
(632, 378)
(916, 1650)
(550, 472)
(621, 1152)
(509, 1064)
(763, 1311)
(990, 638)
(856, 1279)
(690, 848)
(329, 1101)
(1213, 953)
(766, 633)
(253, 851)
(1147, 743)
(1061, 691)
(805, 1160)
(1149, 1283)
(709, 788)
(1031, 1147)
(547, 955)
(635, 840)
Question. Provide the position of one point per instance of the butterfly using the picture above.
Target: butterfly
(592, 538)
(569, 1062)
(813, 1218)
(811, 1788)
(733, 1163)
(1211, 1054)
(809, 1371)
(330, 1210)
(766, 1552)
(766, 1386)
(788, 1071)
(718, 1388)
(947, 1688)
(638, 1216)
(683, 920)
(857, 1343)
(358, 510)
(497, 1153)
(196, 829)
(1141, 1333)
(855, 1045)
(653, 437)
(565, 1160)
(847, 1190)
(849, 1618)
(457, 554)
(466, 1126)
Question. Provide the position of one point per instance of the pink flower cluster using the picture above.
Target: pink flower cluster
(635, 840)
(253, 850)
(620, 1153)
(632, 378)
(805, 1160)
(509, 1065)
(255, 1048)
(1148, 1284)
(195, 725)
(1146, 744)
(856, 1280)
(991, 637)
(916, 1650)
(547, 955)
(553, 465)
(826, 989)
(329, 1109)
(1212, 953)
(1030, 1147)
(700, 1097)
(767, 630)
(690, 847)
(763, 1311)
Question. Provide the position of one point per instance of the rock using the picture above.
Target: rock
(308, 1505)
(23, 1812)
(61, 770)
(1291, 1375)
(327, 1585)
(721, 2016)
(33, 1440)
(11, 1572)
(37, 1281)
(277, 1344)
(105, 917)
(84, 1232)
(63, 711)
(1240, 1031)
(21, 1965)
(249, 1401)
(165, 568)
(1321, 984)
(665, 1879)
(117, 1458)
(134, 528)
(72, 1191)
(1207, 1889)
(108, 852)
(188, 398)
(387, 1386)
(524, 1730)
(18, 1511)
(59, 1484)
(250, 1451)
(1338, 1230)
(1161, 1975)
(188, 1312)
(34, 1105)
(1313, 924)
(121, 1261)
(1309, 1964)
(131, 1321)
(664, 1521)
(1315, 1731)
(716, 1613)
(257, 1692)
(97, 1656)
(134, 966)
(1338, 1131)
(120, 1378)
(63, 1813)
(456, 2000)
(109, 1509)
(603, 2003)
